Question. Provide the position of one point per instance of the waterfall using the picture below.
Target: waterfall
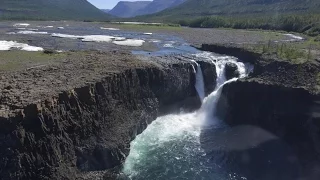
(170, 147)
(199, 85)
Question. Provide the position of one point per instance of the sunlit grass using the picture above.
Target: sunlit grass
(16, 59)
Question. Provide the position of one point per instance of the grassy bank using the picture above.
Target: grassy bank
(307, 24)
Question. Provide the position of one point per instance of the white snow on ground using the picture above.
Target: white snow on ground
(147, 33)
(90, 38)
(168, 45)
(295, 37)
(7, 45)
(130, 42)
(110, 29)
(155, 40)
(48, 27)
(66, 36)
(101, 38)
(31, 32)
(11, 33)
(21, 24)
(20, 28)
(60, 27)
(32, 29)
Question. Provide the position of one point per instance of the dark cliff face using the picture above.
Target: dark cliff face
(273, 118)
(89, 128)
(289, 114)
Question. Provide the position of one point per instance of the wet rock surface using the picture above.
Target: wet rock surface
(231, 71)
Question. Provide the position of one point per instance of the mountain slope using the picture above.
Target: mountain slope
(50, 10)
(128, 9)
(159, 5)
(241, 7)
(105, 10)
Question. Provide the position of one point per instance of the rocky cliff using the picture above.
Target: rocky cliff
(89, 127)
(282, 99)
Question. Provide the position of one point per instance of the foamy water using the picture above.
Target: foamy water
(170, 147)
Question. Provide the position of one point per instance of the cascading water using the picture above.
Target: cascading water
(170, 147)
(199, 81)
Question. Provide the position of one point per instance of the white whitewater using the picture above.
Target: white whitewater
(200, 83)
(170, 146)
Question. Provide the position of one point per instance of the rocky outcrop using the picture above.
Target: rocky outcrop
(89, 128)
(209, 76)
(231, 71)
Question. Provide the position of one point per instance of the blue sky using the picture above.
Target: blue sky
(108, 4)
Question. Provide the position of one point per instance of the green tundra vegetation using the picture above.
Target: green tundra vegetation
(308, 24)
(50, 10)
(301, 16)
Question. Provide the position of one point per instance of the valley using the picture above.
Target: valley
(163, 89)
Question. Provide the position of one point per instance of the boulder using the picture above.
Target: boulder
(231, 71)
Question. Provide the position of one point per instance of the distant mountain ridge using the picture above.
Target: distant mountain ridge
(105, 10)
(131, 9)
(193, 8)
(128, 9)
(50, 10)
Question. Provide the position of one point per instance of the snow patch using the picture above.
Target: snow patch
(7, 45)
(101, 38)
(90, 38)
(110, 29)
(168, 45)
(65, 36)
(155, 40)
(31, 32)
(130, 42)
(21, 24)
(295, 37)
(48, 27)
(60, 27)
(147, 33)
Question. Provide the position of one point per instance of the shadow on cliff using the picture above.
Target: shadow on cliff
(249, 152)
